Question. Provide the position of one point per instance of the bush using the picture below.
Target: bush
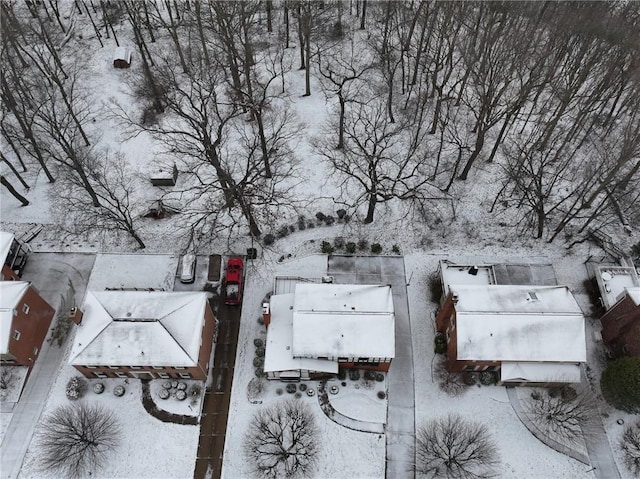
(351, 247)
(98, 388)
(395, 249)
(370, 375)
(376, 248)
(381, 395)
(320, 216)
(282, 232)
(258, 362)
(440, 343)
(164, 393)
(269, 239)
(342, 374)
(258, 343)
(326, 247)
(302, 223)
(469, 378)
(76, 387)
(354, 374)
(119, 390)
(379, 377)
(279, 391)
(341, 213)
(329, 220)
(260, 352)
(568, 394)
(338, 243)
(488, 378)
(302, 387)
(181, 395)
(259, 372)
(620, 384)
(435, 288)
(362, 244)
(291, 388)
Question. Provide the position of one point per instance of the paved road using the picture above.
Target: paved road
(400, 429)
(213, 424)
(61, 280)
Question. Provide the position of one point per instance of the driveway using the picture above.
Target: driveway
(400, 429)
(61, 279)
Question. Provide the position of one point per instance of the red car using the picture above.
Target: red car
(233, 290)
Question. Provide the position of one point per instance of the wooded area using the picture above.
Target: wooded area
(425, 94)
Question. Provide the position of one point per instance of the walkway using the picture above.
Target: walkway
(341, 419)
(56, 280)
(400, 429)
(213, 424)
(164, 416)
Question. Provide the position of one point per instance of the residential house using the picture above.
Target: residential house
(144, 334)
(24, 322)
(13, 254)
(529, 334)
(320, 327)
(621, 324)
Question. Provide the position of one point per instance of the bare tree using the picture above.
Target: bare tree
(282, 440)
(449, 382)
(562, 412)
(4, 182)
(630, 445)
(76, 440)
(8, 379)
(453, 447)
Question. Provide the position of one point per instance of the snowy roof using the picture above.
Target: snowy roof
(634, 294)
(540, 372)
(515, 299)
(343, 320)
(612, 282)
(479, 274)
(279, 352)
(122, 53)
(11, 292)
(519, 323)
(5, 245)
(140, 328)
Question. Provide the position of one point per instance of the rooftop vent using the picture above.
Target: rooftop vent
(532, 296)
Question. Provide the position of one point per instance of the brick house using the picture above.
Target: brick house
(13, 254)
(24, 322)
(529, 334)
(621, 324)
(144, 334)
(319, 328)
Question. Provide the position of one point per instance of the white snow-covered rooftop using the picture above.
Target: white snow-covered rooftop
(279, 348)
(613, 281)
(540, 372)
(515, 299)
(140, 328)
(479, 274)
(5, 245)
(519, 323)
(122, 53)
(634, 294)
(343, 320)
(11, 292)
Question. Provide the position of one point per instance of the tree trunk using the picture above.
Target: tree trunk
(341, 121)
(371, 207)
(364, 14)
(205, 50)
(269, 9)
(307, 72)
(13, 191)
(301, 38)
(286, 25)
(15, 171)
(476, 152)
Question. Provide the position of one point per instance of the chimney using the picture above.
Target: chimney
(266, 314)
(75, 315)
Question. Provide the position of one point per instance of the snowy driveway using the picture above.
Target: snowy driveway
(400, 430)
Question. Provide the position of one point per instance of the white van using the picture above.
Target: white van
(188, 269)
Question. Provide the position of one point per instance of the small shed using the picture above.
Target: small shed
(122, 58)
(164, 176)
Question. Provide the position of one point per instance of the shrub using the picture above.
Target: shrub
(568, 394)
(269, 239)
(298, 395)
(302, 387)
(341, 213)
(379, 377)
(76, 387)
(487, 378)
(376, 248)
(320, 216)
(395, 249)
(259, 372)
(119, 390)
(338, 243)
(329, 220)
(469, 378)
(342, 374)
(435, 288)
(370, 375)
(195, 389)
(98, 388)
(164, 393)
(346, 218)
(258, 343)
(354, 374)
(440, 343)
(291, 388)
(282, 232)
(260, 352)
(381, 395)
(302, 223)
(351, 247)
(620, 384)
(292, 228)
(362, 244)
(326, 247)
(279, 391)
(181, 395)
(630, 445)
(258, 362)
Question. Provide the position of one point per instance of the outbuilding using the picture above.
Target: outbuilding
(122, 58)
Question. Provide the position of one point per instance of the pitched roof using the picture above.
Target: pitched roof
(11, 292)
(343, 320)
(5, 245)
(140, 328)
(519, 323)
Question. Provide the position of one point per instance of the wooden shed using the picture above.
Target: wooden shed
(122, 58)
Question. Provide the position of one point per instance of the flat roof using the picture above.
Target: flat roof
(279, 346)
(343, 320)
(540, 372)
(613, 281)
(140, 328)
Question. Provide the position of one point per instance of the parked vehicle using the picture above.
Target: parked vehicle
(233, 289)
(188, 269)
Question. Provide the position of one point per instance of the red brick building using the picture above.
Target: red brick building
(621, 324)
(13, 255)
(144, 334)
(24, 322)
